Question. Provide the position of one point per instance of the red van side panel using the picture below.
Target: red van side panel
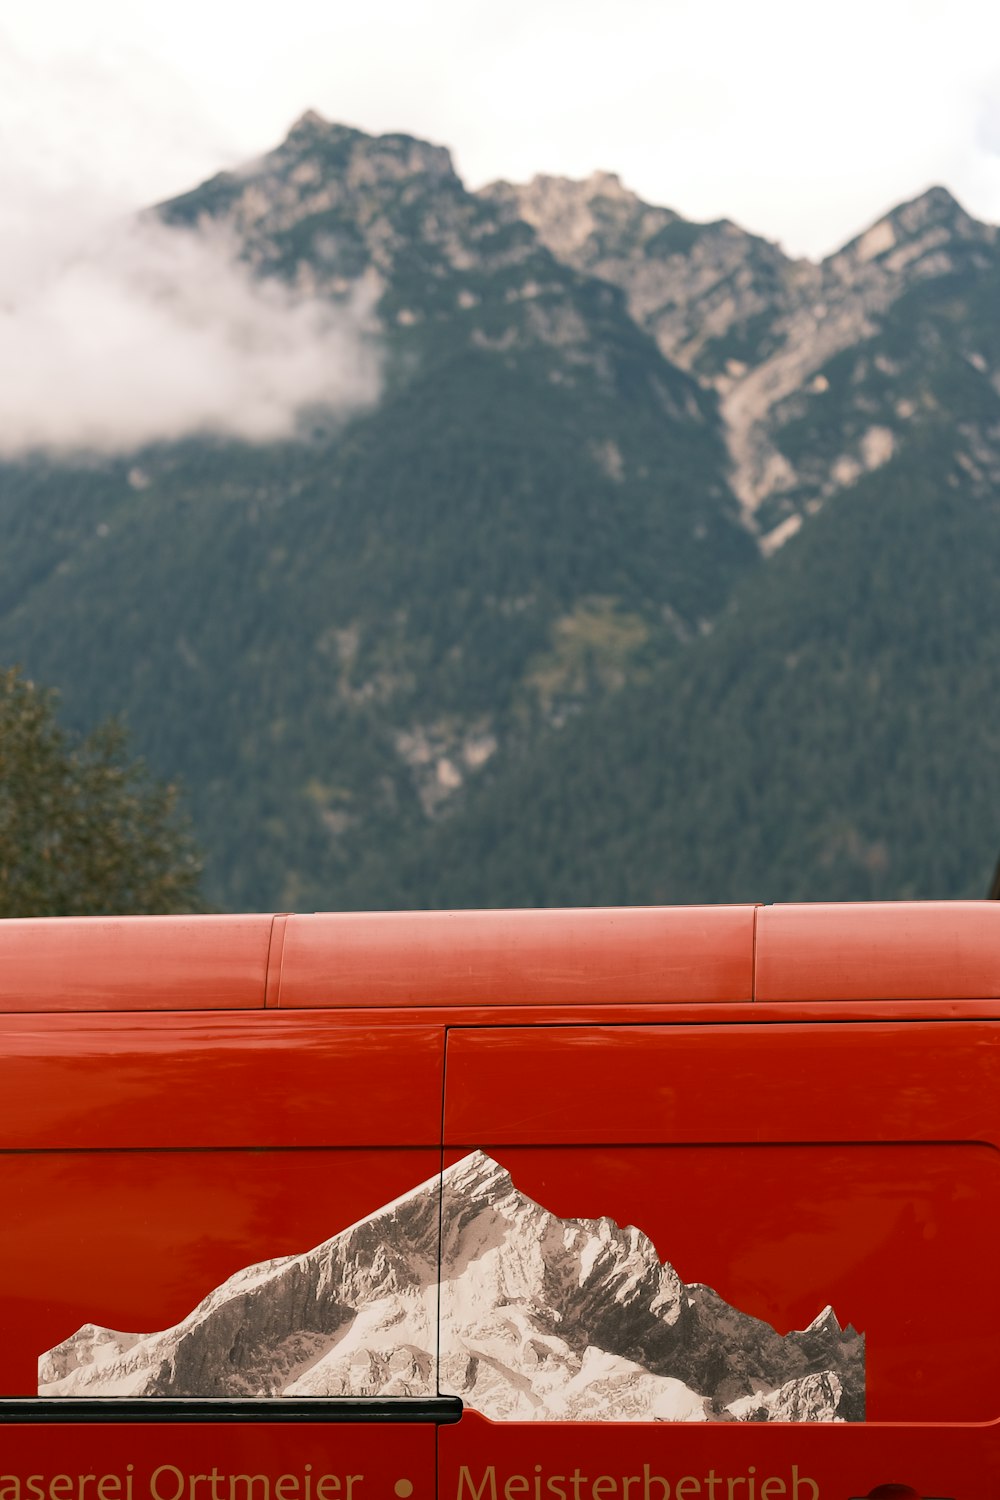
(778, 1156)
(576, 1085)
(213, 1081)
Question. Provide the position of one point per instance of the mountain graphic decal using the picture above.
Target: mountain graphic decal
(541, 1318)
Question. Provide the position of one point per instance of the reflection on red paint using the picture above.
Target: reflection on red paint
(133, 1240)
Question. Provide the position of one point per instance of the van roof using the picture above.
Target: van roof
(611, 955)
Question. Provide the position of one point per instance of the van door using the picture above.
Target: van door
(771, 1242)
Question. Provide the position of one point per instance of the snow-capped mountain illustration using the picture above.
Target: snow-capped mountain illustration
(541, 1318)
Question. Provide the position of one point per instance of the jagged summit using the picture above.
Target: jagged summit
(541, 1318)
(740, 315)
(312, 132)
(578, 218)
(309, 122)
(933, 221)
(936, 205)
(935, 202)
(609, 184)
(332, 203)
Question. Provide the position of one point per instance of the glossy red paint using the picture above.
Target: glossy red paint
(197, 1461)
(836, 1139)
(780, 1231)
(786, 1166)
(710, 1462)
(904, 950)
(134, 1239)
(605, 1085)
(218, 1079)
(133, 963)
(478, 1458)
(616, 955)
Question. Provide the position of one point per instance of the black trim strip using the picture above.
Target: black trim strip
(386, 1409)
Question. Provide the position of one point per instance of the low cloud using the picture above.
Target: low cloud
(148, 333)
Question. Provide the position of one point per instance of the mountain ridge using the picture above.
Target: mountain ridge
(691, 286)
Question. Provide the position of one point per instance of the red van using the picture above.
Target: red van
(654, 1204)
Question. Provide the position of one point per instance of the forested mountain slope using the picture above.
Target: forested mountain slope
(662, 569)
(328, 638)
(834, 738)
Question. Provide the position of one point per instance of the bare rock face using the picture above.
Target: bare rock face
(541, 1318)
(745, 319)
(332, 205)
(691, 285)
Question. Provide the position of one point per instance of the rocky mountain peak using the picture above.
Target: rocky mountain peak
(735, 312)
(689, 284)
(540, 1317)
(399, 154)
(609, 185)
(332, 203)
(311, 123)
(936, 207)
(575, 216)
(913, 240)
(824, 1321)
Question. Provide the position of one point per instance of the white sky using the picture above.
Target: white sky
(802, 121)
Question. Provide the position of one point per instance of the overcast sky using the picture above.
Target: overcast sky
(802, 121)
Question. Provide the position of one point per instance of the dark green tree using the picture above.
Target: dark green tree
(84, 830)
